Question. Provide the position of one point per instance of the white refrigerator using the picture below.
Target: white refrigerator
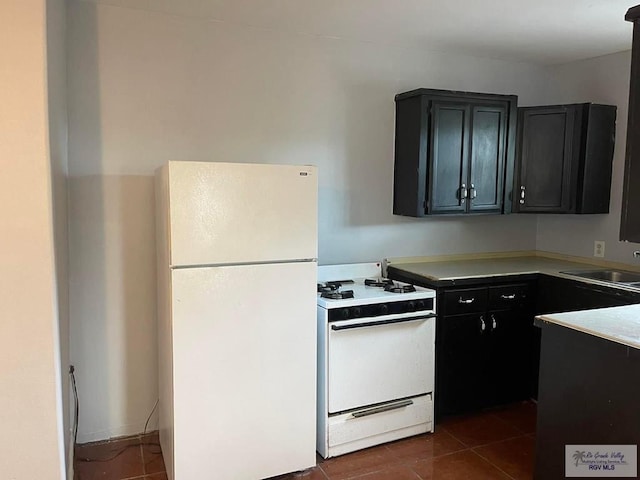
(237, 261)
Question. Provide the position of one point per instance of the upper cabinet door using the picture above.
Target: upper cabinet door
(565, 158)
(488, 148)
(545, 159)
(450, 158)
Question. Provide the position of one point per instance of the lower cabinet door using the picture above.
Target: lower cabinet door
(460, 363)
(508, 371)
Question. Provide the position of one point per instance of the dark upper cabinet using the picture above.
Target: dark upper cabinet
(454, 152)
(565, 155)
(630, 221)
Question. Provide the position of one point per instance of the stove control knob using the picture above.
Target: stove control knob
(411, 306)
(420, 305)
(356, 312)
(345, 314)
(383, 309)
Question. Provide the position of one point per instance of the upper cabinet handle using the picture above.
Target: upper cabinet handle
(522, 194)
(463, 192)
(473, 192)
(466, 302)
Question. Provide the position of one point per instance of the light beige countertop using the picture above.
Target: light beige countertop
(490, 267)
(469, 268)
(618, 324)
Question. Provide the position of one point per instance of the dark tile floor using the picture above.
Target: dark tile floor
(497, 444)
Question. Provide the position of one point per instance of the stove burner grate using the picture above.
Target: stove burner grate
(332, 285)
(335, 295)
(393, 288)
(328, 287)
(382, 282)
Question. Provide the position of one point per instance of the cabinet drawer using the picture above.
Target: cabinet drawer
(509, 296)
(464, 300)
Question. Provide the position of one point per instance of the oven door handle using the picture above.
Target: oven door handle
(381, 322)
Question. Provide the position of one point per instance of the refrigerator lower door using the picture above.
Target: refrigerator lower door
(244, 370)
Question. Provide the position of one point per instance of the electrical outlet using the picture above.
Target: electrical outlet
(598, 248)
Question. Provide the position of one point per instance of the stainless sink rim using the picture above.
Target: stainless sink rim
(600, 275)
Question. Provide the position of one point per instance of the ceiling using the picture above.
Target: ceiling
(539, 31)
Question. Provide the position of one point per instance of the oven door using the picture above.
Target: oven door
(375, 360)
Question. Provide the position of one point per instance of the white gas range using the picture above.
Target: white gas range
(375, 358)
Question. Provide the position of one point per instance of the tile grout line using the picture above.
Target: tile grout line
(472, 449)
(144, 467)
(322, 470)
(456, 438)
(493, 465)
(138, 477)
(520, 434)
(497, 441)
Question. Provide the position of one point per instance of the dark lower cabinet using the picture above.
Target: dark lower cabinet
(487, 346)
(483, 347)
(588, 396)
(564, 295)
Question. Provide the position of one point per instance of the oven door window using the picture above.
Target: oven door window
(372, 362)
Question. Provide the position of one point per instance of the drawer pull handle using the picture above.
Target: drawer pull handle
(508, 297)
(384, 408)
(467, 301)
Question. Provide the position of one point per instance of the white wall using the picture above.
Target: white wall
(31, 444)
(599, 80)
(147, 87)
(57, 110)
(113, 309)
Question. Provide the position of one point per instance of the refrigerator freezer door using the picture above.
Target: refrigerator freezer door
(244, 370)
(231, 213)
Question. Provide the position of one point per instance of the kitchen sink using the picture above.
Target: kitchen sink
(613, 276)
